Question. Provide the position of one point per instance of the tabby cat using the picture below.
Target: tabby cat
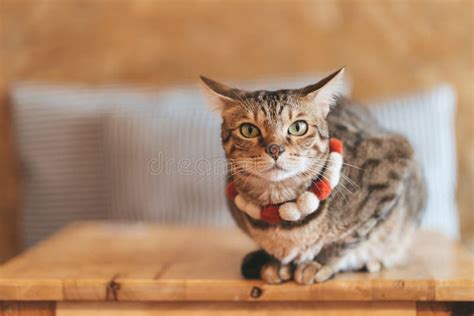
(277, 143)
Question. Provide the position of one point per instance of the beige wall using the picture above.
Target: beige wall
(389, 47)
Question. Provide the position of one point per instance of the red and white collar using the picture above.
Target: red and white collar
(307, 203)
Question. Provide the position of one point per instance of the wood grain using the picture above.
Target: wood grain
(389, 47)
(27, 308)
(444, 308)
(237, 309)
(117, 262)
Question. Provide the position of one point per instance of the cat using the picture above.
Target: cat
(277, 143)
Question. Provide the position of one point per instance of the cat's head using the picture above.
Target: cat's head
(276, 135)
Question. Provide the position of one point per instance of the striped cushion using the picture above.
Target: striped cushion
(180, 128)
(60, 137)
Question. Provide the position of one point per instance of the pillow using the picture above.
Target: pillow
(59, 138)
(67, 173)
(180, 130)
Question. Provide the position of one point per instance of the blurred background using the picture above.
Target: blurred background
(390, 49)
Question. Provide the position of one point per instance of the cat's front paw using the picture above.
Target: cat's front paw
(305, 204)
(374, 266)
(312, 272)
(274, 272)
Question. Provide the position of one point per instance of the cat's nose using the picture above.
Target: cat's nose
(274, 150)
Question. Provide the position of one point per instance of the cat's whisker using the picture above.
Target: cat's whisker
(354, 185)
(340, 184)
(342, 175)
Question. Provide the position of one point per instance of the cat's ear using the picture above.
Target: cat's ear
(220, 95)
(324, 93)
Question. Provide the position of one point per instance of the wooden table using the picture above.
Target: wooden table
(117, 269)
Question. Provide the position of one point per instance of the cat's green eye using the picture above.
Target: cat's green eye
(298, 128)
(249, 130)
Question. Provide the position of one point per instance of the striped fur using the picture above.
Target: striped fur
(367, 222)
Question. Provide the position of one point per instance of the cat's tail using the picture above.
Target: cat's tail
(253, 262)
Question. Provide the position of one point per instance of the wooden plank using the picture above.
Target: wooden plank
(419, 45)
(27, 308)
(117, 262)
(444, 308)
(449, 263)
(239, 309)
